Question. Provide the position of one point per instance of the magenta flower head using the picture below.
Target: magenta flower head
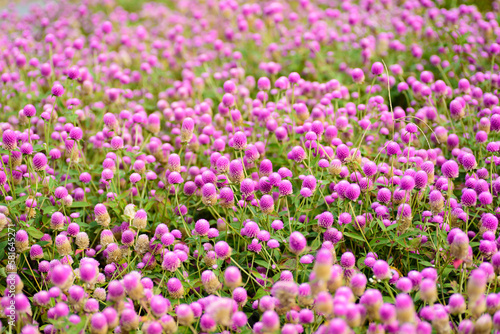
(76, 133)
(384, 195)
(457, 304)
(62, 276)
(239, 141)
(469, 197)
(9, 140)
(202, 226)
(264, 83)
(101, 215)
(450, 169)
(207, 323)
(226, 197)
(60, 192)
(29, 110)
(36, 252)
(140, 220)
(469, 161)
(209, 194)
(489, 222)
(247, 187)
(352, 192)
(170, 262)
(39, 162)
(232, 277)
(285, 188)
(57, 90)
(325, 220)
(174, 163)
(404, 284)
(405, 310)
(381, 270)
(129, 320)
(222, 250)
(357, 75)
(372, 301)
(266, 204)
(187, 129)
(347, 260)
(99, 323)
(377, 68)
(236, 173)
(297, 242)
(175, 178)
(22, 241)
(298, 154)
(185, 315)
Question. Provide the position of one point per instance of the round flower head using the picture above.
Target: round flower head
(232, 277)
(21, 241)
(377, 68)
(469, 197)
(352, 192)
(174, 163)
(384, 195)
(62, 276)
(82, 240)
(239, 140)
(140, 220)
(335, 167)
(357, 75)
(247, 187)
(297, 242)
(187, 129)
(99, 323)
(266, 204)
(270, 321)
(202, 226)
(171, 262)
(210, 281)
(450, 169)
(184, 314)
(209, 194)
(222, 250)
(456, 304)
(298, 154)
(36, 252)
(372, 301)
(29, 110)
(57, 90)
(285, 188)
(381, 270)
(129, 320)
(39, 162)
(102, 216)
(325, 220)
(469, 161)
(489, 222)
(9, 140)
(404, 308)
(404, 284)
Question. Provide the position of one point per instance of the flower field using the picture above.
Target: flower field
(221, 166)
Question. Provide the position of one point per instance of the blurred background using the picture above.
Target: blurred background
(22, 6)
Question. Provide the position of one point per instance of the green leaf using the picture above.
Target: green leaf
(260, 293)
(80, 204)
(37, 234)
(262, 263)
(354, 236)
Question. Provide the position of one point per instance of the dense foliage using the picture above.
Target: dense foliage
(271, 166)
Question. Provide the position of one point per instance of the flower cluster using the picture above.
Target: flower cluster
(262, 167)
